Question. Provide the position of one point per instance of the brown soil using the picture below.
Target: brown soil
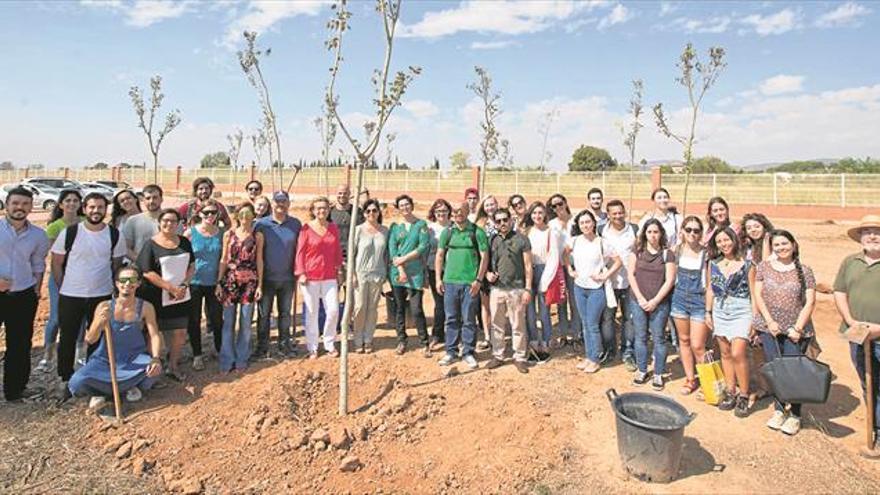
(417, 428)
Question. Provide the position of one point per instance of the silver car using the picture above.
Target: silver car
(45, 197)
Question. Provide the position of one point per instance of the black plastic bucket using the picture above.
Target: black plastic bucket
(650, 434)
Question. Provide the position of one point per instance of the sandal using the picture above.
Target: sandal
(176, 376)
(690, 386)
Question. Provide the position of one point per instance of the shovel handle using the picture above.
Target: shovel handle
(611, 394)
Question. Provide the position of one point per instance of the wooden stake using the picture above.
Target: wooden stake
(869, 395)
(117, 401)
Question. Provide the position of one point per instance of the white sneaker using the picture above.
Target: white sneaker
(471, 361)
(97, 402)
(198, 363)
(133, 394)
(43, 366)
(776, 421)
(791, 426)
(80, 357)
(446, 360)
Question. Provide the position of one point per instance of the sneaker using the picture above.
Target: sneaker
(657, 383)
(62, 392)
(427, 352)
(728, 402)
(591, 367)
(334, 353)
(471, 361)
(630, 363)
(97, 402)
(44, 366)
(605, 357)
(482, 346)
(447, 359)
(581, 365)
(368, 348)
(791, 426)
(871, 452)
(742, 407)
(313, 355)
(259, 355)
(494, 363)
(198, 363)
(133, 394)
(521, 366)
(401, 348)
(79, 357)
(640, 378)
(359, 349)
(776, 421)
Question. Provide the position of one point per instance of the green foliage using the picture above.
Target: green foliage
(219, 159)
(7, 165)
(590, 158)
(712, 165)
(844, 166)
(460, 160)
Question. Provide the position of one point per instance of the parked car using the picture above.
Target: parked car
(59, 184)
(45, 197)
(118, 185)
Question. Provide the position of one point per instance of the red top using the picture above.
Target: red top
(318, 257)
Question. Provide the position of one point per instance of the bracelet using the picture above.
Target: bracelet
(155, 360)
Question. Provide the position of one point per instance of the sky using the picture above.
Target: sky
(802, 80)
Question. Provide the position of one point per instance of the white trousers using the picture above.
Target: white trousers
(326, 291)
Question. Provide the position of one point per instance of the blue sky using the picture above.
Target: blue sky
(802, 79)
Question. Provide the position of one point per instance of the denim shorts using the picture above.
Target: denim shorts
(689, 297)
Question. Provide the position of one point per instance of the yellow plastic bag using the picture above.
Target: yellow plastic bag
(711, 379)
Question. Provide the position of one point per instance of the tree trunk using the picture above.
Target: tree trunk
(349, 295)
(155, 168)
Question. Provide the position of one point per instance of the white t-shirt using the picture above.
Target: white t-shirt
(587, 259)
(139, 229)
(542, 255)
(671, 224)
(89, 272)
(564, 230)
(622, 243)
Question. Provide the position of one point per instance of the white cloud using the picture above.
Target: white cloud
(618, 15)
(667, 8)
(781, 22)
(501, 16)
(848, 14)
(421, 109)
(262, 15)
(491, 45)
(143, 13)
(711, 25)
(782, 84)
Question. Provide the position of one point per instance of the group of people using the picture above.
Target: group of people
(621, 289)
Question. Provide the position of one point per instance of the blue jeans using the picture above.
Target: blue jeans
(857, 353)
(283, 292)
(591, 305)
(538, 309)
(50, 331)
(655, 323)
(236, 349)
(788, 348)
(461, 318)
(610, 328)
(569, 319)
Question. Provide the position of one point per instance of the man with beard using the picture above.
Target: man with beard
(23, 248)
(142, 227)
(203, 189)
(594, 201)
(84, 258)
(341, 214)
(254, 190)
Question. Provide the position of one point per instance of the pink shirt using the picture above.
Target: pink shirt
(318, 257)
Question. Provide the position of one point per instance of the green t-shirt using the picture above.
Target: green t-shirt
(463, 248)
(861, 282)
(402, 240)
(53, 230)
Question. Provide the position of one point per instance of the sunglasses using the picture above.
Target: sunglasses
(691, 230)
(502, 219)
(371, 210)
(557, 205)
(404, 205)
(441, 210)
(245, 214)
(128, 280)
(208, 212)
(254, 189)
(517, 204)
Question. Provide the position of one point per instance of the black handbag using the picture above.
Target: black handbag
(797, 379)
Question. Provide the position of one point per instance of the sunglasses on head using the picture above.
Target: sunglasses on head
(693, 230)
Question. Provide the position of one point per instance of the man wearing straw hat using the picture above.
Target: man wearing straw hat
(134, 368)
(856, 292)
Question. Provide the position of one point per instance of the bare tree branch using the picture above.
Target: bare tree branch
(145, 120)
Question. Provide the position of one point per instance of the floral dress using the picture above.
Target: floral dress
(239, 284)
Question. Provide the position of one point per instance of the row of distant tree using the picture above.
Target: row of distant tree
(584, 159)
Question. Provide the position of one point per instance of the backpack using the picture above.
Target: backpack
(472, 234)
(70, 237)
(632, 226)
